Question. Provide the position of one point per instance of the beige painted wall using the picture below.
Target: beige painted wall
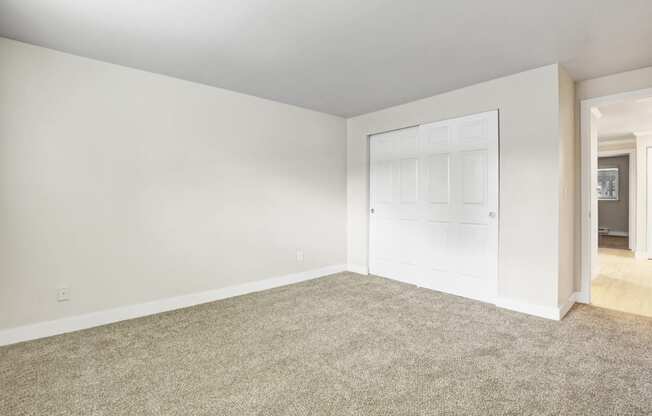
(169, 195)
(569, 262)
(529, 174)
(129, 186)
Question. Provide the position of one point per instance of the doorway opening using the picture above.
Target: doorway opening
(617, 202)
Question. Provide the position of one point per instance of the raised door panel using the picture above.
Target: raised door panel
(472, 133)
(472, 248)
(408, 192)
(436, 174)
(435, 137)
(407, 162)
(438, 178)
(407, 242)
(384, 174)
(383, 182)
(438, 246)
(473, 186)
(409, 181)
(382, 146)
(385, 238)
(407, 143)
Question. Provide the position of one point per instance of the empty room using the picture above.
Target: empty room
(284, 207)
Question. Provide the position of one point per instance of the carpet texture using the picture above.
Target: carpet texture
(340, 345)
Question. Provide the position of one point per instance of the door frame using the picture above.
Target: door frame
(648, 190)
(588, 166)
(496, 295)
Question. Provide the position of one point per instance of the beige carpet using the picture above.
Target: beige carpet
(340, 345)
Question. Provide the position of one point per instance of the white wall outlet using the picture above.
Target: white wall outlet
(63, 294)
(299, 256)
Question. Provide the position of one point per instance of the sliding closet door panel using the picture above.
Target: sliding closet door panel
(434, 201)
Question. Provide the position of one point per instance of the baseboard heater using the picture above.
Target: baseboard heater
(612, 233)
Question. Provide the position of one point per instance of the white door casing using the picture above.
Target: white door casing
(434, 203)
(649, 203)
(593, 132)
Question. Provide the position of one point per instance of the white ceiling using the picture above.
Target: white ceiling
(625, 118)
(342, 57)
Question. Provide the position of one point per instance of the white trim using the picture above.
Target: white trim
(632, 192)
(616, 142)
(643, 145)
(354, 268)
(76, 323)
(641, 255)
(587, 154)
(581, 298)
(563, 309)
(596, 112)
(648, 195)
(549, 312)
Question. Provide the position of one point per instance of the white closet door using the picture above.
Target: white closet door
(434, 205)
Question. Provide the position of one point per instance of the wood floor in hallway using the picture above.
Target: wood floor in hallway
(624, 282)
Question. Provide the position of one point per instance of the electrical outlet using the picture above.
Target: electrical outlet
(63, 294)
(299, 256)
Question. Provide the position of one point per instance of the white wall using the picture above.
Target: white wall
(529, 174)
(569, 243)
(130, 186)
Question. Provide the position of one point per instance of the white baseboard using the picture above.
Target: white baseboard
(641, 255)
(76, 323)
(549, 312)
(357, 269)
(582, 297)
(564, 308)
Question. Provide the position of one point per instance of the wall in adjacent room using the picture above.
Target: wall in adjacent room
(128, 187)
(614, 215)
